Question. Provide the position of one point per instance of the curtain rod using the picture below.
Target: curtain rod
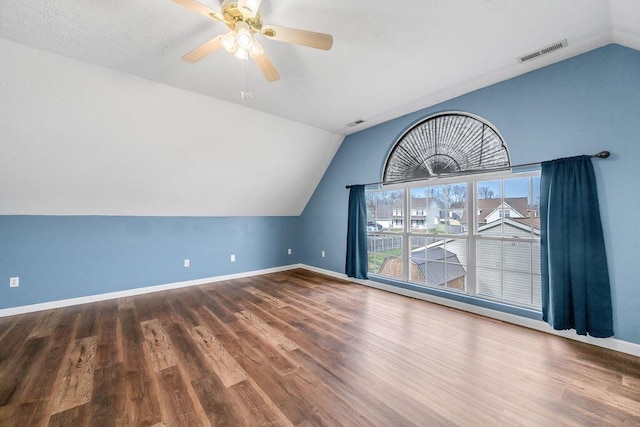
(600, 155)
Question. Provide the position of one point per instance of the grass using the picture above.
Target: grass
(376, 259)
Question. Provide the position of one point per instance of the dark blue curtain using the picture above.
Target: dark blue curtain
(356, 265)
(575, 279)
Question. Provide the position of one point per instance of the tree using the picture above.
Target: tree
(457, 196)
(437, 194)
(485, 192)
(377, 198)
(395, 196)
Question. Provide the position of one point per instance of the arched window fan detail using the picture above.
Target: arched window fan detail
(445, 144)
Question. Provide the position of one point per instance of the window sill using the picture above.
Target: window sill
(461, 297)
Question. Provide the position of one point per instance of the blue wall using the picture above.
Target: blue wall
(582, 105)
(59, 257)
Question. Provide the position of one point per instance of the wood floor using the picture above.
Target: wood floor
(299, 348)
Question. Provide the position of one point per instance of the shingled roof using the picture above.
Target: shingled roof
(437, 272)
(486, 206)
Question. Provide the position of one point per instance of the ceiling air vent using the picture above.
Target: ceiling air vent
(543, 51)
(355, 123)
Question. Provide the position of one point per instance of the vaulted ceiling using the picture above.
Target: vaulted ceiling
(388, 59)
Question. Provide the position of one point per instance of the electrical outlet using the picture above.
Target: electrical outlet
(14, 282)
(289, 251)
(186, 263)
(322, 254)
(233, 258)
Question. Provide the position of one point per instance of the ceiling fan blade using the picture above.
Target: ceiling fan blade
(201, 51)
(267, 67)
(302, 37)
(201, 9)
(249, 7)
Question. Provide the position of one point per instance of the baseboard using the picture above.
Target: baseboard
(609, 343)
(137, 291)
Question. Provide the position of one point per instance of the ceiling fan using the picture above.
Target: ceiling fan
(245, 21)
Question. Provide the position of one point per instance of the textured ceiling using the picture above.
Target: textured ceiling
(100, 116)
(388, 58)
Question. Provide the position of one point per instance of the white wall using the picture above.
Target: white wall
(79, 139)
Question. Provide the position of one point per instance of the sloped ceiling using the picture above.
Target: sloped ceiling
(100, 115)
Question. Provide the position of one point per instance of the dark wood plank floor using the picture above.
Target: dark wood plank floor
(299, 348)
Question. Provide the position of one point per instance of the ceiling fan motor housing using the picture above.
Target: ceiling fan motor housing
(232, 14)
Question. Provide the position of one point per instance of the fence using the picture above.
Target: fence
(377, 243)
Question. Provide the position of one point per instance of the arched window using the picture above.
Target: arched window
(446, 144)
(474, 231)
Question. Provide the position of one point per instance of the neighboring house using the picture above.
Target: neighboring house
(426, 213)
(436, 266)
(427, 216)
(504, 210)
(510, 270)
(384, 216)
(378, 220)
(530, 222)
(424, 217)
(489, 210)
(512, 227)
(506, 270)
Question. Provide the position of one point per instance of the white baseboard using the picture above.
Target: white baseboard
(610, 343)
(137, 291)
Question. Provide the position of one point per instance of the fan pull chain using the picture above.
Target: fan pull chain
(245, 93)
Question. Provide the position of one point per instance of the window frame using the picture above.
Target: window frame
(472, 235)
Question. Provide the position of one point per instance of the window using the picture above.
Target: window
(426, 233)
(495, 255)
(443, 144)
(508, 248)
(384, 244)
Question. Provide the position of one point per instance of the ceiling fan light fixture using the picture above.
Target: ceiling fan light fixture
(241, 53)
(256, 49)
(229, 42)
(244, 38)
